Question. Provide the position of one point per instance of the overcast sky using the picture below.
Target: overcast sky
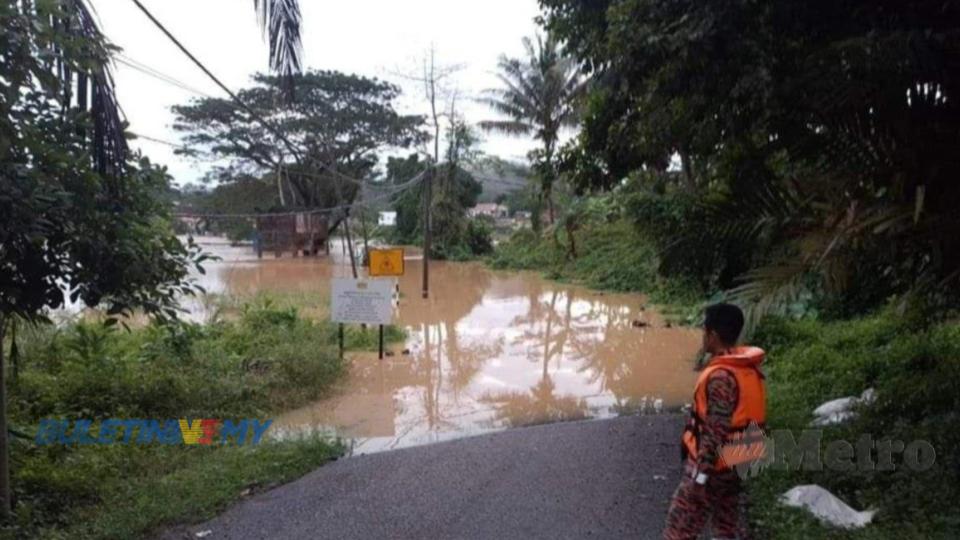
(375, 38)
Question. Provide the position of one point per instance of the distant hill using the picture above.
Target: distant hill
(499, 177)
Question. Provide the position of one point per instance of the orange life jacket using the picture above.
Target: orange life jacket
(741, 445)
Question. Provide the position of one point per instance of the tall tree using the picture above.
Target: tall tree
(458, 192)
(341, 121)
(538, 97)
(825, 133)
(436, 87)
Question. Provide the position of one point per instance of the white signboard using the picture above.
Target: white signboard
(387, 219)
(362, 301)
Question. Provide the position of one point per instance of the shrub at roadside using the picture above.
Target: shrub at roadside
(613, 256)
(917, 378)
(267, 360)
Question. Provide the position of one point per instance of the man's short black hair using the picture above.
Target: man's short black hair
(726, 320)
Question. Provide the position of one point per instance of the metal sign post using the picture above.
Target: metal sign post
(381, 342)
(386, 263)
(362, 301)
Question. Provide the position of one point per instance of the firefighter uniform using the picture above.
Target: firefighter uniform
(729, 409)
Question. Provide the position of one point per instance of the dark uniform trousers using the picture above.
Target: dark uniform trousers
(719, 503)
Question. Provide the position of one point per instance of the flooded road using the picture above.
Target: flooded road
(488, 350)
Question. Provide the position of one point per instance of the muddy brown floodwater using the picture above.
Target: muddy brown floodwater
(488, 350)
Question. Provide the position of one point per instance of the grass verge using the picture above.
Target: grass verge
(916, 374)
(611, 257)
(265, 358)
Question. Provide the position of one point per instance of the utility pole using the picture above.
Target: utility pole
(432, 78)
(5, 501)
(366, 236)
(427, 229)
(346, 231)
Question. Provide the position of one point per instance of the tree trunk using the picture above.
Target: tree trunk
(4, 443)
(346, 233)
(14, 352)
(549, 181)
(366, 237)
(283, 201)
(427, 230)
(691, 181)
(572, 239)
(535, 216)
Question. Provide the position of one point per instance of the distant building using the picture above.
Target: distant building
(493, 210)
(387, 219)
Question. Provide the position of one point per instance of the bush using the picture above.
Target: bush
(917, 378)
(268, 359)
(614, 256)
(687, 241)
(526, 250)
(477, 237)
(471, 241)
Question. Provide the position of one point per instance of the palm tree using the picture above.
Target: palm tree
(280, 21)
(538, 97)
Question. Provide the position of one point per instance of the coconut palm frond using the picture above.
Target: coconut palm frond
(506, 106)
(280, 21)
(67, 58)
(766, 290)
(94, 87)
(536, 91)
(507, 126)
(519, 84)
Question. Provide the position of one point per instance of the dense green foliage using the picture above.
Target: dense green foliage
(409, 203)
(267, 360)
(455, 190)
(68, 221)
(800, 156)
(614, 256)
(819, 136)
(81, 218)
(916, 375)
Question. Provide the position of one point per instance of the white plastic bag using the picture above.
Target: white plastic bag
(826, 507)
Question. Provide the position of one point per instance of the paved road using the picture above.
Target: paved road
(597, 479)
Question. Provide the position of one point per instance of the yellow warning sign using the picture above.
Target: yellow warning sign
(386, 262)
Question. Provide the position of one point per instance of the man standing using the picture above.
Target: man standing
(729, 410)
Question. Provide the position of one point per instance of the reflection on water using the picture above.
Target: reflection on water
(487, 350)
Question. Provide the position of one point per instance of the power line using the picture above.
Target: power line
(158, 141)
(171, 80)
(307, 174)
(290, 146)
(159, 75)
(379, 197)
